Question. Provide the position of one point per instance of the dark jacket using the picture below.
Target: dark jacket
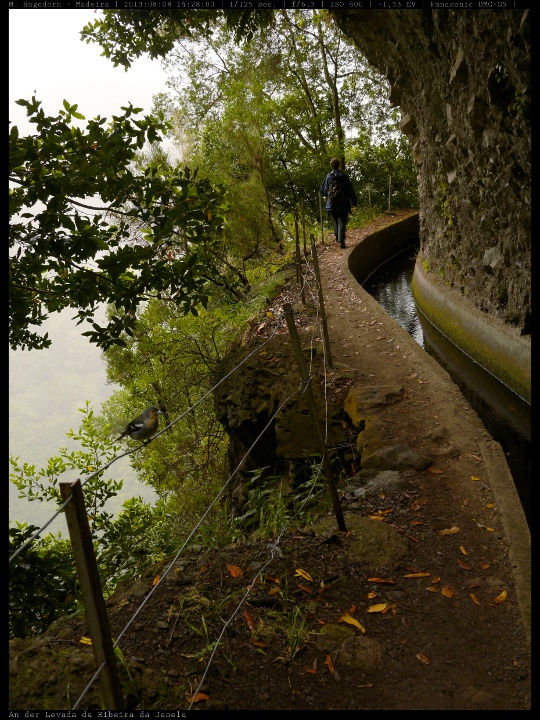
(351, 200)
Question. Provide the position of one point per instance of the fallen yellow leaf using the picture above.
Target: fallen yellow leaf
(85, 641)
(330, 664)
(434, 470)
(198, 697)
(381, 608)
(474, 599)
(435, 579)
(417, 575)
(381, 580)
(432, 589)
(376, 517)
(304, 574)
(423, 658)
(473, 477)
(449, 531)
(448, 592)
(377, 608)
(249, 620)
(348, 618)
(502, 597)
(156, 580)
(235, 570)
(274, 591)
(462, 549)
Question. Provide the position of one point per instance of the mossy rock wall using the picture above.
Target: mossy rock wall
(462, 80)
(498, 348)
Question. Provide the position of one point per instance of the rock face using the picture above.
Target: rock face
(462, 81)
(268, 384)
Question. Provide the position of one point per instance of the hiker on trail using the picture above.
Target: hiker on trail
(340, 199)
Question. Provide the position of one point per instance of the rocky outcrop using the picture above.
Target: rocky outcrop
(462, 81)
(264, 399)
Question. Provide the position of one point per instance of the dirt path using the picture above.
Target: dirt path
(468, 486)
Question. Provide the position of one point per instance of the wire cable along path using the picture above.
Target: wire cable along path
(145, 429)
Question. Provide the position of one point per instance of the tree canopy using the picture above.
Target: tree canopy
(126, 35)
(87, 226)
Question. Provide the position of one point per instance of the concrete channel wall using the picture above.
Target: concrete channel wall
(490, 342)
(494, 345)
(377, 249)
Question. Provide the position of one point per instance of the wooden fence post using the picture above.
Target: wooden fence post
(92, 595)
(322, 221)
(321, 302)
(299, 276)
(327, 468)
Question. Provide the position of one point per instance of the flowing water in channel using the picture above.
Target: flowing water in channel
(505, 415)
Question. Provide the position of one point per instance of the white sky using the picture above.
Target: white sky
(48, 58)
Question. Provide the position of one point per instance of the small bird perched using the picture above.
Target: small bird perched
(142, 427)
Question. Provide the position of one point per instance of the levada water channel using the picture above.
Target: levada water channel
(505, 415)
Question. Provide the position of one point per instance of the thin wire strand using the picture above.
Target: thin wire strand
(166, 572)
(139, 447)
(274, 547)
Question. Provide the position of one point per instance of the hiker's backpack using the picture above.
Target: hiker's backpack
(337, 195)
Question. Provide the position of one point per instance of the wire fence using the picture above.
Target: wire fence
(308, 277)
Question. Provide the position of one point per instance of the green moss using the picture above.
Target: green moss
(498, 360)
(502, 296)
